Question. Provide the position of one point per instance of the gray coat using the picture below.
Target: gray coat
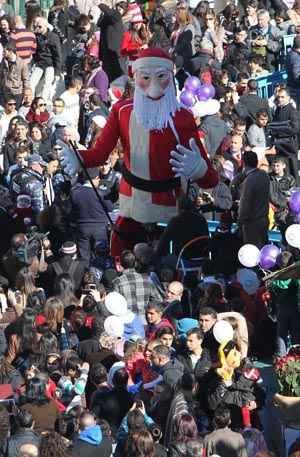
(226, 443)
(215, 130)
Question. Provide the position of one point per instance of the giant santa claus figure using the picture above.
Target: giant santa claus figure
(160, 144)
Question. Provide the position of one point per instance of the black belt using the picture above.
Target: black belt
(154, 186)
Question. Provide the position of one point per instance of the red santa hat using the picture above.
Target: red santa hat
(153, 57)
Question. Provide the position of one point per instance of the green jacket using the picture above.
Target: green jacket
(286, 291)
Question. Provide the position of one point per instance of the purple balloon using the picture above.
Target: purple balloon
(206, 91)
(201, 98)
(295, 202)
(192, 84)
(187, 98)
(268, 256)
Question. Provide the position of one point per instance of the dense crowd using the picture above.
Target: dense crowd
(123, 356)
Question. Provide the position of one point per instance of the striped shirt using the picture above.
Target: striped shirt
(25, 43)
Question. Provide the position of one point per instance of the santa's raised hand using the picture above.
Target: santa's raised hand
(188, 162)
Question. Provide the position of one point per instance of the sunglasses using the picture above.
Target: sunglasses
(11, 103)
(57, 149)
(42, 104)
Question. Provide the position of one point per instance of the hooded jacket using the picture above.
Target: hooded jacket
(91, 443)
(172, 372)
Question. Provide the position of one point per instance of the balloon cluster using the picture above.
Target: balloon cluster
(195, 91)
(292, 233)
(250, 256)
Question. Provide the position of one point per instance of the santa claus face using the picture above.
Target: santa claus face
(153, 82)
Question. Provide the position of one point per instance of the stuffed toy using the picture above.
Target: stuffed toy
(162, 150)
(233, 384)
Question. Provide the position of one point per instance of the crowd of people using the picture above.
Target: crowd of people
(104, 355)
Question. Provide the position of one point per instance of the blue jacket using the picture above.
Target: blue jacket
(91, 435)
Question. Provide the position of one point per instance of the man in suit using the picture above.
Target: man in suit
(254, 203)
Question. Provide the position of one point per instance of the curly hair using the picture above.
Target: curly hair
(53, 445)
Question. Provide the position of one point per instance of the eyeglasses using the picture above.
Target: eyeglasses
(58, 106)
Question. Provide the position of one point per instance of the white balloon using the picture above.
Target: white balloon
(249, 255)
(206, 108)
(292, 235)
(223, 331)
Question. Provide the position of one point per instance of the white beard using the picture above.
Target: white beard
(155, 114)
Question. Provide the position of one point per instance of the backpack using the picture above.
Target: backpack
(71, 270)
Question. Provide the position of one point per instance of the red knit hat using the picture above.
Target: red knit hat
(153, 57)
(135, 12)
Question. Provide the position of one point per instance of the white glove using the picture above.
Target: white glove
(188, 162)
(69, 161)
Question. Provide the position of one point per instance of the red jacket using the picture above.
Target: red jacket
(41, 118)
(147, 155)
(130, 47)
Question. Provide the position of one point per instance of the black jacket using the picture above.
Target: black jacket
(237, 51)
(288, 113)
(59, 19)
(84, 449)
(202, 366)
(239, 394)
(22, 436)
(279, 190)
(86, 208)
(63, 265)
(211, 344)
(48, 52)
(112, 406)
(172, 372)
(249, 105)
(181, 229)
(112, 31)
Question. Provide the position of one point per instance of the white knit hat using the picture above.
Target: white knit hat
(113, 326)
(116, 304)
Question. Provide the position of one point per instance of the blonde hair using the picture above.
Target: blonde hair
(54, 312)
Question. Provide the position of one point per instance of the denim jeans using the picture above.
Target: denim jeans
(41, 82)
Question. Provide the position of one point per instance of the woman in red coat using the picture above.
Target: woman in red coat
(134, 40)
(38, 112)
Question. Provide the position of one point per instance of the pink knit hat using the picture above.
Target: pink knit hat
(135, 12)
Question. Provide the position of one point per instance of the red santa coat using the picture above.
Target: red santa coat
(147, 155)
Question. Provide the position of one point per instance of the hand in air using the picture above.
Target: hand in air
(188, 162)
